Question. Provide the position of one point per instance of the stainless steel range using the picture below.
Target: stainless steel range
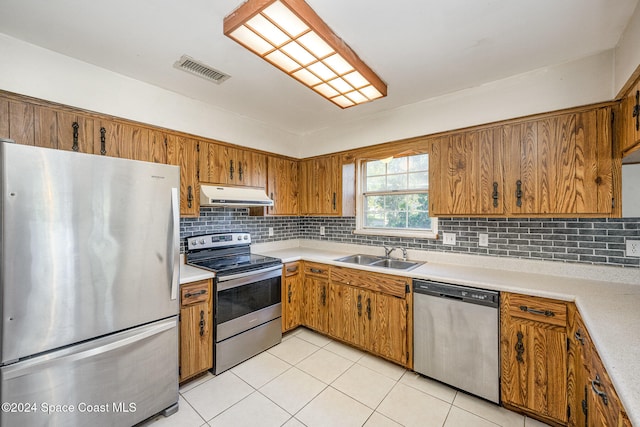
(247, 302)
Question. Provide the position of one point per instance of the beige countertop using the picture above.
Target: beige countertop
(608, 298)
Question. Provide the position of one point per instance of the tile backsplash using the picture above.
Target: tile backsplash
(584, 240)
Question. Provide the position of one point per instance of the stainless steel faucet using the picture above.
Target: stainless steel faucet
(389, 249)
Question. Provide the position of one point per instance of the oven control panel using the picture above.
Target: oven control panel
(218, 240)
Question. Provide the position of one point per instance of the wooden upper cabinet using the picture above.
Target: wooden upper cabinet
(75, 132)
(282, 186)
(630, 138)
(222, 164)
(321, 186)
(183, 152)
(159, 143)
(466, 174)
(125, 141)
(561, 165)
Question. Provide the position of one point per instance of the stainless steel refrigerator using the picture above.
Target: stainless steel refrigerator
(89, 252)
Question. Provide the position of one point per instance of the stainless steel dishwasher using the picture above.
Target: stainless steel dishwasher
(456, 338)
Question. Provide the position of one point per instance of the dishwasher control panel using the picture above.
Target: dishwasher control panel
(462, 293)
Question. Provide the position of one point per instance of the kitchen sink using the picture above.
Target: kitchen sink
(361, 259)
(379, 261)
(397, 264)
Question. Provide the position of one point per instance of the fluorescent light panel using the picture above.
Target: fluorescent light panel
(291, 36)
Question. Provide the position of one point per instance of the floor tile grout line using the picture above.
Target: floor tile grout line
(429, 394)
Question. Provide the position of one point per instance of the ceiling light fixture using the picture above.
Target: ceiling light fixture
(291, 36)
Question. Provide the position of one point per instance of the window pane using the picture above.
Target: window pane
(396, 203)
(419, 220)
(396, 220)
(398, 165)
(396, 182)
(374, 220)
(419, 163)
(419, 180)
(376, 183)
(376, 168)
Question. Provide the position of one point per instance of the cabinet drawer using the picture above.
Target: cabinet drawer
(194, 293)
(537, 309)
(291, 269)
(315, 269)
(383, 283)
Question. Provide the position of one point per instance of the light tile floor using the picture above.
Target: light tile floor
(311, 380)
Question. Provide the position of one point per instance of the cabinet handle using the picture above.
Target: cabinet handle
(333, 203)
(240, 171)
(195, 294)
(271, 207)
(323, 295)
(292, 269)
(519, 347)
(189, 196)
(546, 313)
(231, 170)
(75, 127)
(602, 394)
(585, 406)
(518, 193)
(202, 323)
(316, 270)
(636, 110)
(579, 337)
(103, 141)
(289, 293)
(369, 308)
(359, 305)
(495, 195)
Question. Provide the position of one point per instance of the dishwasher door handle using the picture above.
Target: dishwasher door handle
(452, 297)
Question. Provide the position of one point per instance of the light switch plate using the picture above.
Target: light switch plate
(270, 231)
(633, 248)
(484, 239)
(322, 230)
(449, 239)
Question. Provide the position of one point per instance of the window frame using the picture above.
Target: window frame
(375, 231)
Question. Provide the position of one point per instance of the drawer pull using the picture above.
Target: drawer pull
(579, 337)
(292, 269)
(519, 347)
(602, 394)
(547, 313)
(317, 270)
(195, 294)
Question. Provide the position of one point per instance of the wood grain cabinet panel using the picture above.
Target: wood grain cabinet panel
(196, 332)
(534, 363)
(116, 139)
(630, 126)
(75, 132)
(184, 153)
(320, 182)
(225, 165)
(291, 296)
(282, 186)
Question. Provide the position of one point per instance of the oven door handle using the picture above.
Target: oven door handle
(240, 279)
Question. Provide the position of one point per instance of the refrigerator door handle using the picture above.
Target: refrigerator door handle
(175, 208)
(85, 351)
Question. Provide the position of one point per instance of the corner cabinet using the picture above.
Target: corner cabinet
(196, 332)
(556, 165)
(327, 186)
(533, 346)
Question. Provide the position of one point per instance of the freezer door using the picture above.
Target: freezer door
(117, 380)
(89, 246)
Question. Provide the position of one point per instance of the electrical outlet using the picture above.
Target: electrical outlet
(633, 248)
(322, 230)
(449, 238)
(484, 239)
(270, 231)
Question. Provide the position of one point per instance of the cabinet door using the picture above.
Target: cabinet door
(577, 377)
(316, 300)
(534, 367)
(466, 172)
(185, 154)
(365, 319)
(342, 307)
(389, 327)
(218, 164)
(252, 169)
(630, 119)
(122, 140)
(75, 132)
(282, 186)
(291, 296)
(196, 348)
(159, 143)
(321, 186)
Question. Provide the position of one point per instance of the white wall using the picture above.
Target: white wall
(627, 53)
(580, 82)
(31, 70)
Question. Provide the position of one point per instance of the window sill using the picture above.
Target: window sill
(398, 233)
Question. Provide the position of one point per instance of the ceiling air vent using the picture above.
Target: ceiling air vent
(190, 65)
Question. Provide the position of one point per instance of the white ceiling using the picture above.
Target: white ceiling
(420, 48)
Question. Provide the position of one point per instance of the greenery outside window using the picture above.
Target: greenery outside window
(394, 197)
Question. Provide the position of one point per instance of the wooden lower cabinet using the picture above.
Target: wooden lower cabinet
(316, 297)
(196, 332)
(367, 310)
(291, 295)
(533, 342)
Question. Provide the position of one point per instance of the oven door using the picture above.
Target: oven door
(247, 300)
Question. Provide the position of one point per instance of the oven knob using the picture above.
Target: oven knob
(202, 241)
(246, 237)
(239, 237)
(194, 243)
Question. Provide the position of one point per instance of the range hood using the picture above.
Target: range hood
(213, 195)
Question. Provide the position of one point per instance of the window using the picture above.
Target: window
(394, 197)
